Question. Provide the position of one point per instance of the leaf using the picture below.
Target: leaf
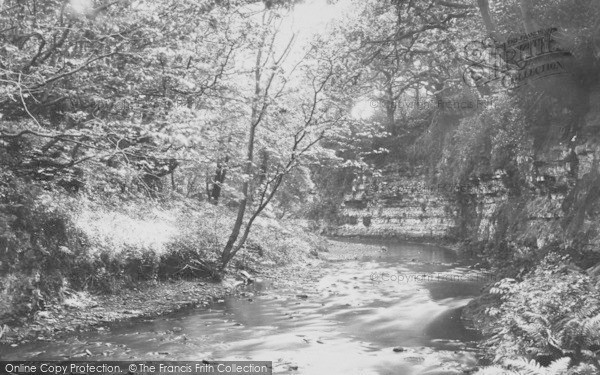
(559, 367)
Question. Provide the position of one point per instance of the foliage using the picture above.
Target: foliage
(87, 83)
(524, 367)
(553, 313)
(130, 128)
(53, 244)
(115, 98)
(493, 137)
(36, 241)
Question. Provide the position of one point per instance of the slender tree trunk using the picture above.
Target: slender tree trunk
(417, 96)
(264, 166)
(218, 180)
(258, 211)
(259, 107)
(239, 220)
(527, 14)
(190, 185)
(390, 104)
(257, 111)
(484, 9)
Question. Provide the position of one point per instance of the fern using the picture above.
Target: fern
(522, 366)
(495, 370)
(591, 330)
(559, 367)
(525, 367)
(584, 369)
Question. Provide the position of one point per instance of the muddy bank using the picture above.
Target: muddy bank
(84, 312)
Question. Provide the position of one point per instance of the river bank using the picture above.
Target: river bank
(83, 311)
(88, 312)
(326, 315)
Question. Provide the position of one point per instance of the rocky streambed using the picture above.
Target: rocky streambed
(369, 307)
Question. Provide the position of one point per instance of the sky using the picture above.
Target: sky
(310, 18)
(313, 17)
(82, 6)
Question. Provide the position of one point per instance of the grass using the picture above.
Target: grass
(56, 245)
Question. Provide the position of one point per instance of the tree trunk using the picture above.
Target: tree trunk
(390, 104)
(260, 208)
(258, 110)
(239, 220)
(526, 13)
(218, 180)
(417, 96)
(190, 185)
(484, 9)
(264, 166)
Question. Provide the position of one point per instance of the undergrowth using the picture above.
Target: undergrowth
(548, 323)
(53, 244)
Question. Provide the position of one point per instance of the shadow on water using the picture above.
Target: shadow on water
(347, 322)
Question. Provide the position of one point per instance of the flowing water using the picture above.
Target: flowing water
(346, 321)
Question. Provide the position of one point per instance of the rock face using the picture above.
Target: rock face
(396, 203)
(552, 198)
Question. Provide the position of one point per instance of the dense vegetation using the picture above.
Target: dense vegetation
(142, 140)
(159, 139)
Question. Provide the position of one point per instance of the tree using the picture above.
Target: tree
(484, 9)
(274, 107)
(98, 84)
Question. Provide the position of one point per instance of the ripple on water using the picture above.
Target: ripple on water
(344, 323)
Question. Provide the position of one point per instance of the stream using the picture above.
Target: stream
(376, 307)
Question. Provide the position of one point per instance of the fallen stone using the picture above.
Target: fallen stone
(247, 276)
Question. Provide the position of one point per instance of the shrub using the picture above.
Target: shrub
(37, 241)
(553, 313)
(53, 243)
